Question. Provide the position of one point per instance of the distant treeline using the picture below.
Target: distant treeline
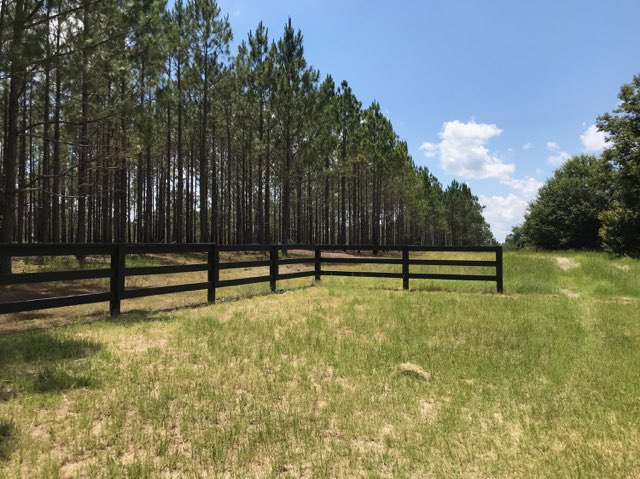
(593, 202)
(129, 121)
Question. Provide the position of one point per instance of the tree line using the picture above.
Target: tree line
(593, 202)
(134, 122)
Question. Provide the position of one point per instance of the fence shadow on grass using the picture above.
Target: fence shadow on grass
(134, 316)
(452, 288)
(435, 288)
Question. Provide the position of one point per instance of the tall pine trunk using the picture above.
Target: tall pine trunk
(9, 170)
(285, 236)
(204, 164)
(260, 204)
(179, 220)
(56, 192)
(83, 162)
(267, 188)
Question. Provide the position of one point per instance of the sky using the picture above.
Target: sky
(497, 94)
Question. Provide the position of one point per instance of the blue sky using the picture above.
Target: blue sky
(493, 93)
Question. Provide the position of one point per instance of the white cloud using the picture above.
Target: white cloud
(559, 159)
(593, 140)
(463, 152)
(527, 146)
(527, 186)
(429, 149)
(503, 213)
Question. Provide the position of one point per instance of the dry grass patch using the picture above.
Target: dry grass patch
(565, 263)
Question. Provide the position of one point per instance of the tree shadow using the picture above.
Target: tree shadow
(57, 379)
(41, 346)
(39, 362)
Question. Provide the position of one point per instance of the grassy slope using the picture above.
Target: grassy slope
(542, 381)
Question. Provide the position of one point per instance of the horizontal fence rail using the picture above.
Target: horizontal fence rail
(118, 271)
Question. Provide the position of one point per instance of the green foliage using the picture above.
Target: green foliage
(620, 231)
(621, 222)
(565, 214)
(463, 214)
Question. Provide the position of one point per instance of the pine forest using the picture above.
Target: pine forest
(138, 122)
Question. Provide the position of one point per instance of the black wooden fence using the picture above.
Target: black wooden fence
(117, 272)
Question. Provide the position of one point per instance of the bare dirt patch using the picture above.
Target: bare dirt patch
(570, 294)
(76, 467)
(565, 263)
(139, 344)
(624, 300)
(340, 254)
(428, 410)
(369, 446)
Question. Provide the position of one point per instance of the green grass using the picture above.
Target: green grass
(543, 381)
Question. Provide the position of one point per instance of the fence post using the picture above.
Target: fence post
(273, 267)
(499, 272)
(116, 283)
(405, 267)
(317, 263)
(213, 258)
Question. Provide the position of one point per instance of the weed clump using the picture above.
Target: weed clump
(413, 370)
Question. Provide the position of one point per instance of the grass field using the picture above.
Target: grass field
(350, 377)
